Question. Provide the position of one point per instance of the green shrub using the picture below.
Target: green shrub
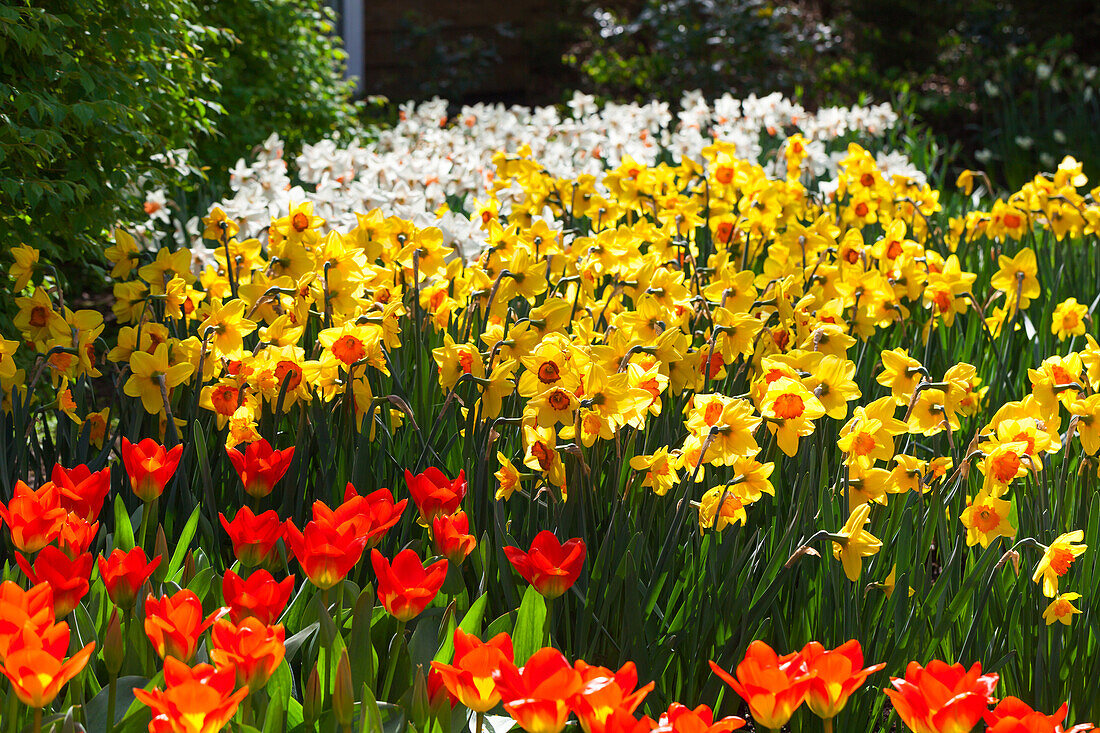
(281, 70)
(664, 47)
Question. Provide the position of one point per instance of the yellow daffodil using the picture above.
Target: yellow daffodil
(853, 542)
(146, 372)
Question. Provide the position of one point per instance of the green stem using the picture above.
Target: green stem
(547, 622)
(144, 527)
(391, 667)
(480, 723)
(827, 724)
(13, 708)
(36, 726)
(112, 694)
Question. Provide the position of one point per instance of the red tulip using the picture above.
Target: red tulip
(942, 697)
(34, 518)
(550, 566)
(834, 676)
(682, 719)
(1013, 715)
(772, 686)
(82, 491)
(370, 516)
(605, 695)
(175, 623)
(149, 466)
(407, 587)
(260, 467)
(537, 695)
(76, 535)
(258, 595)
(255, 650)
(326, 553)
(438, 690)
(253, 536)
(199, 700)
(124, 573)
(435, 494)
(451, 537)
(67, 577)
(470, 678)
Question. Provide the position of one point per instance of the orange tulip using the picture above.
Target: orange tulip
(258, 596)
(23, 610)
(149, 466)
(407, 587)
(834, 676)
(82, 492)
(942, 697)
(68, 578)
(1013, 715)
(622, 720)
(199, 700)
(34, 518)
(682, 719)
(470, 678)
(37, 668)
(260, 467)
(175, 623)
(605, 694)
(772, 686)
(537, 695)
(252, 648)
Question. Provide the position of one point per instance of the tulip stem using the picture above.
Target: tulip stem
(827, 724)
(547, 621)
(13, 708)
(144, 527)
(36, 726)
(480, 723)
(391, 667)
(112, 694)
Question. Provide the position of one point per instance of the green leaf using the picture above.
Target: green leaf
(183, 543)
(471, 624)
(95, 710)
(528, 635)
(124, 531)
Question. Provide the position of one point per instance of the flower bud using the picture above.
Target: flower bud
(343, 694)
(114, 648)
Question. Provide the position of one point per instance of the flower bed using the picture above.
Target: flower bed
(662, 410)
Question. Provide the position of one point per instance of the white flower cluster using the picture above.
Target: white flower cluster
(428, 159)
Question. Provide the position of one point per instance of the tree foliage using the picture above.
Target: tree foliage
(90, 91)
